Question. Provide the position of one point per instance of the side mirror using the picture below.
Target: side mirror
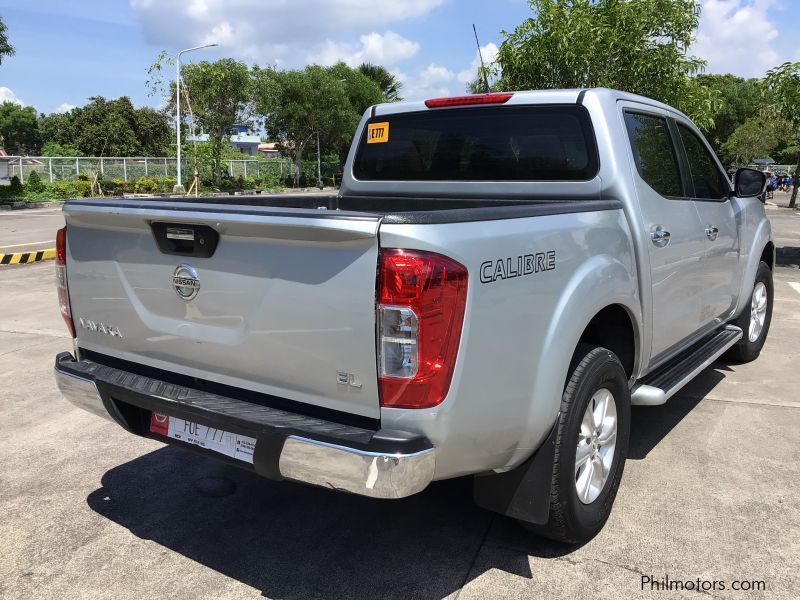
(749, 182)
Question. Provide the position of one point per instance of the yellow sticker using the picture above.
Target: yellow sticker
(377, 133)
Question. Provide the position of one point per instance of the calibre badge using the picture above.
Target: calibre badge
(185, 282)
(517, 266)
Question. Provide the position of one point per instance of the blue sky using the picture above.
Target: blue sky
(69, 51)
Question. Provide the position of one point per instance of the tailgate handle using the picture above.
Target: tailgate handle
(185, 239)
(180, 233)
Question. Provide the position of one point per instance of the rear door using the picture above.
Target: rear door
(672, 225)
(710, 193)
(283, 305)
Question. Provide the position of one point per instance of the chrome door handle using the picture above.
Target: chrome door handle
(711, 232)
(659, 236)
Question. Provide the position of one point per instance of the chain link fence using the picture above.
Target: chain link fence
(131, 168)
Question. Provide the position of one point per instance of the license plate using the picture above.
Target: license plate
(230, 444)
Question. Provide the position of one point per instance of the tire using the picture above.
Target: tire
(572, 519)
(746, 349)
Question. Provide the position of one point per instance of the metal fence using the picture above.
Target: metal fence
(131, 168)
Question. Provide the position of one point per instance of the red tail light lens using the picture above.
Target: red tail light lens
(494, 98)
(61, 279)
(421, 301)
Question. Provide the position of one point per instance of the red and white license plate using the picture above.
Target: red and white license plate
(230, 444)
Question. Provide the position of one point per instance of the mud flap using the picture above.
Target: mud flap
(524, 492)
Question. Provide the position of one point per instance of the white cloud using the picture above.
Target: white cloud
(433, 81)
(282, 32)
(64, 107)
(736, 36)
(489, 52)
(6, 95)
(387, 49)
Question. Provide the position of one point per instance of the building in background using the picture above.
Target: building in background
(241, 139)
(269, 149)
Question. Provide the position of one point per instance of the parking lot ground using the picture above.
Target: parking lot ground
(29, 230)
(88, 511)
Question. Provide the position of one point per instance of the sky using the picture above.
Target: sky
(70, 51)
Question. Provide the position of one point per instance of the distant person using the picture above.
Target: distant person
(771, 183)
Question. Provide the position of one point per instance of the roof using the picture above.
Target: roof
(239, 138)
(566, 96)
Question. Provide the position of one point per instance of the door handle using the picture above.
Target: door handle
(659, 236)
(711, 232)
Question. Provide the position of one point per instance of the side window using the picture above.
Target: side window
(707, 179)
(654, 153)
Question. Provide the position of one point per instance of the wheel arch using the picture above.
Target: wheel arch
(614, 328)
(600, 300)
(763, 248)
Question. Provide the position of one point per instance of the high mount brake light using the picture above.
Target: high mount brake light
(493, 98)
(421, 301)
(61, 279)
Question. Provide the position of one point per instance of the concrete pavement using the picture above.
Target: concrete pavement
(88, 511)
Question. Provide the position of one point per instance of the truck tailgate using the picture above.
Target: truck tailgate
(285, 304)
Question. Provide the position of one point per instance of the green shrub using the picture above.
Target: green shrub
(15, 189)
(117, 185)
(145, 185)
(33, 183)
(69, 189)
(165, 184)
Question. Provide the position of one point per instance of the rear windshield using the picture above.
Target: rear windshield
(524, 143)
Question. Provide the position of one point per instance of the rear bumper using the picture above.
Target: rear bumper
(378, 464)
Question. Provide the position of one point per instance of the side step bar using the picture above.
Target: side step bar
(660, 385)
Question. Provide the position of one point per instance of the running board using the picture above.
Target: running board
(660, 385)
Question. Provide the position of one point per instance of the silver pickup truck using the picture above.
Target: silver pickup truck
(499, 279)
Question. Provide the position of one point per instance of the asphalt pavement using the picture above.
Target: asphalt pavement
(89, 511)
(30, 229)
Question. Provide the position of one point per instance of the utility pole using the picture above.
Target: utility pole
(319, 166)
(179, 189)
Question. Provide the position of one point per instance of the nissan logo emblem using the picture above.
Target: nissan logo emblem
(185, 282)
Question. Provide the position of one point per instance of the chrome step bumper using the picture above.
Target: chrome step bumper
(658, 387)
(378, 464)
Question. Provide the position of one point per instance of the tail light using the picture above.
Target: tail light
(421, 302)
(61, 279)
(472, 99)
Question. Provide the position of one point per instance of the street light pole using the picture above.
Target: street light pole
(319, 165)
(179, 189)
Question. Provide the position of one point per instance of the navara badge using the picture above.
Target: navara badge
(185, 282)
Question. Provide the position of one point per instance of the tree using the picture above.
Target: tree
(362, 92)
(56, 149)
(296, 106)
(757, 137)
(783, 86)
(741, 99)
(108, 128)
(638, 46)
(6, 49)
(153, 131)
(388, 83)
(19, 130)
(219, 96)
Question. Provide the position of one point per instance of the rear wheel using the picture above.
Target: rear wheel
(755, 318)
(591, 446)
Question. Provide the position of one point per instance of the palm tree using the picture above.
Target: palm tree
(388, 83)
